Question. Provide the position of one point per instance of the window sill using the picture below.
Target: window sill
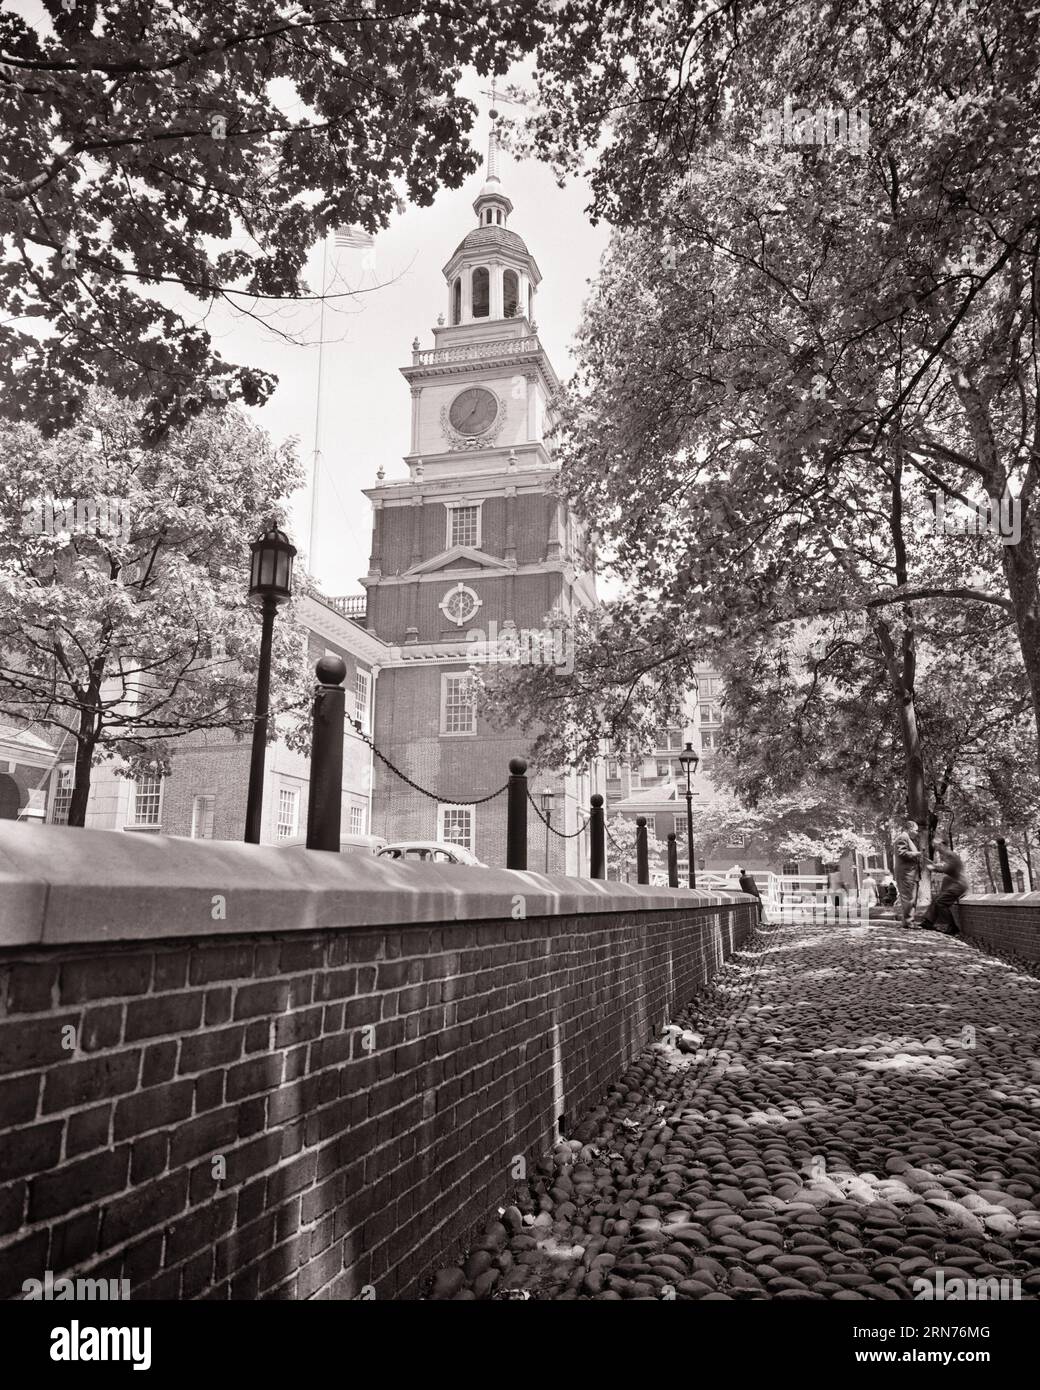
(143, 829)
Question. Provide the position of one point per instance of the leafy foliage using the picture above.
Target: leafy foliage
(129, 631)
(151, 150)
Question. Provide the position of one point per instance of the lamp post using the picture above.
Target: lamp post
(688, 760)
(547, 795)
(270, 584)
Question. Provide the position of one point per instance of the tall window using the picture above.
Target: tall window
(62, 795)
(530, 301)
(664, 767)
(463, 525)
(357, 819)
(510, 293)
(147, 800)
(680, 828)
(455, 825)
(709, 713)
(458, 712)
(203, 809)
(456, 300)
(362, 696)
(288, 823)
(612, 770)
(481, 292)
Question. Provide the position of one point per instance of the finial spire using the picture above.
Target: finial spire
(492, 159)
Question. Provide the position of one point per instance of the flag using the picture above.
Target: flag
(356, 238)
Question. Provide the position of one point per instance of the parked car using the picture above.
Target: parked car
(348, 844)
(429, 852)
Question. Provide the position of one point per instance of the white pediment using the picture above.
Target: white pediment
(459, 557)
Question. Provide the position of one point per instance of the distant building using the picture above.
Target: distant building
(473, 557)
(26, 761)
(204, 796)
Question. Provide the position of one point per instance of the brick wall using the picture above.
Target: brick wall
(300, 1114)
(1008, 922)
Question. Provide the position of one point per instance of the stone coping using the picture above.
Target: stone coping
(1001, 899)
(61, 886)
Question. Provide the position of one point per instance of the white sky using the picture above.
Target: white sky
(366, 407)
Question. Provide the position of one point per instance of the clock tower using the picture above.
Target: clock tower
(473, 557)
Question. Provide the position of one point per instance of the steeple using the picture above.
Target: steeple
(491, 275)
(492, 206)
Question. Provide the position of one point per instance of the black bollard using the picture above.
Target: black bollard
(673, 861)
(516, 815)
(1005, 866)
(642, 855)
(325, 798)
(597, 848)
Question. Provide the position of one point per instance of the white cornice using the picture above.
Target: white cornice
(442, 576)
(325, 622)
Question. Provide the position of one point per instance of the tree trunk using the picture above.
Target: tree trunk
(1020, 570)
(86, 741)
(901, 665)
(989, 869)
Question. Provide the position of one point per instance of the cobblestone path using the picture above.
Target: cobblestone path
(849, 1113)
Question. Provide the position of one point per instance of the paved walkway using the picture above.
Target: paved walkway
(852, 1113)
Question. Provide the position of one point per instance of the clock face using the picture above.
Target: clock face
(473, 411)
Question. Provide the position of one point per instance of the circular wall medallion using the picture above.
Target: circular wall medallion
(460, 604)
(473, 411)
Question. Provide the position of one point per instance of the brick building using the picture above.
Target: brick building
(26, 760)
(472, 554)
(204, 796)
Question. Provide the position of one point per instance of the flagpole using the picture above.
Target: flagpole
(311, 548)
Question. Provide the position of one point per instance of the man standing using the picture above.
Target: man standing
(748, 885)
(907, 867)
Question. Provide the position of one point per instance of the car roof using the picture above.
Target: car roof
(424, 844)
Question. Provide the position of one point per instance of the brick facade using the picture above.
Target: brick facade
(305, 1114)
(1005, 922)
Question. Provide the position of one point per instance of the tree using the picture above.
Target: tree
(814, 821)
(124, 617)
(152, 151)
(836, 314)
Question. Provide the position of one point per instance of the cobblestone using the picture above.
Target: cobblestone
(848, 1112)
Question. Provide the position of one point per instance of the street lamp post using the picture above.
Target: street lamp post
(688, 760)
(547, 795)
(270, 585)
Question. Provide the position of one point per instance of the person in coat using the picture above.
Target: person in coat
(907, 868)
(952, 887)
(748, 885)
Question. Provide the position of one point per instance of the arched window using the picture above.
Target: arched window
(498, 218)
(456, 300)
(481, 292)
(530, 302)
(510, 293)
